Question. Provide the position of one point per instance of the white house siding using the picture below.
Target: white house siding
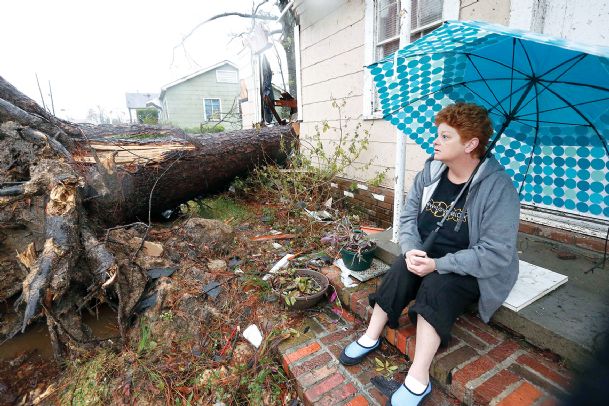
(574, 20)
(495, 11)
(333, 57)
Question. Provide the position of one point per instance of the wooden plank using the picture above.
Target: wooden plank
(533, 283)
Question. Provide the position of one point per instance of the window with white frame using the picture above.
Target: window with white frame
(383, 25)
(227, 76)
(212, 109)
(425, 16)
(387, 24)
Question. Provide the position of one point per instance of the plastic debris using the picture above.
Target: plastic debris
(282, 263)
(277, 245)
(146, 303)
(234, 261)
(212, 289)
(253, 335)
(156, 273)
(167, 214)
(320, 215)
(371, 230)
(345, 277)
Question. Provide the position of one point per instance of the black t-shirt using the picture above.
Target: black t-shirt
(447, 240)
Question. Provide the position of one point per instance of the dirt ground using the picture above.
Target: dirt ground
(187, 347)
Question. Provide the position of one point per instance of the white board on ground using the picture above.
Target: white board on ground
(533, 283)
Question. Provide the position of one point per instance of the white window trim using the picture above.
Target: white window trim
(450, 11)
(231, 72)
(205, 112)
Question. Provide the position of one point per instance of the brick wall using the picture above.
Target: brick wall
(376, 205)
(374, 202)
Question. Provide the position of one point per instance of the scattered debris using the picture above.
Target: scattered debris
(156, 273)
(280, 236)
(253, 335)
(320, 215)
(216, 265)
(371, 230)
(234, 261)
(277, 246)
(565, 255)
(146, 303)
(150, 249)
(282, 263)
(345, 274)
(209, 234)
(212, 289)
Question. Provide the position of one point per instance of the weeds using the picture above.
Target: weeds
(219, 207)
(90, 380)
(314, 164)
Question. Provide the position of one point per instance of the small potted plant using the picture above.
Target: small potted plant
(355, 247)
(300, 288)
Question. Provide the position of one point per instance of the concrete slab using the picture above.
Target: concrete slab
(569, 321)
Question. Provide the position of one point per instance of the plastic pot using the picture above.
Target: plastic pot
(358, 262)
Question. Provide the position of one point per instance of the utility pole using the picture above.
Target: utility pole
(40, 90)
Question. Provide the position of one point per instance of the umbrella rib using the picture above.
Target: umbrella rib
(566, 107)
(512, 70)
(510, 95)
(555, 80)
(485, 82)
(465, 85)
(562, 82)
(547, 122)
(600, 137)
(528, 57)
(581, 56)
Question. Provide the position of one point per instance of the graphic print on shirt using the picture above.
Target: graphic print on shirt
(438, 207)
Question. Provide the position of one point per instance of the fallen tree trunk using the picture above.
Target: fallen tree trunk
(151, 177)
(60, 181)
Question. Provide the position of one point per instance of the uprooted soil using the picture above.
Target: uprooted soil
(187, 347)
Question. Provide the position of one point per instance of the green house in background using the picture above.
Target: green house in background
(208, 97)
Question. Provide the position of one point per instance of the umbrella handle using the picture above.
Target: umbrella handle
(431, 238)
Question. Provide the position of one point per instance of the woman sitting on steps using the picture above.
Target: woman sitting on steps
(474, 257)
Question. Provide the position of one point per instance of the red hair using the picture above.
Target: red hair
(470, 121)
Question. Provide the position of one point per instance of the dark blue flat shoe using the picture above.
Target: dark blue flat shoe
(354, 353)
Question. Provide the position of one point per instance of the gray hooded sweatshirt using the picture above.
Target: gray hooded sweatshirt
(493, 210)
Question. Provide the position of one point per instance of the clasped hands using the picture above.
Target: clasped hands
(419, 263)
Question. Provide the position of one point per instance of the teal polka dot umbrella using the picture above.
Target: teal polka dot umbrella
(548, 98)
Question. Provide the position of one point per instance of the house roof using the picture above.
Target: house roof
(197, 73)
(139, 100)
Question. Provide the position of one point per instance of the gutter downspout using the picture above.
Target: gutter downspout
(400, 144)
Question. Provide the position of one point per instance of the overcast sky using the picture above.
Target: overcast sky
(93, 52)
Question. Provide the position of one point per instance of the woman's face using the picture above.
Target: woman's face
(447, 146)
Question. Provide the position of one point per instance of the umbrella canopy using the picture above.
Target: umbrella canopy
(548, 99)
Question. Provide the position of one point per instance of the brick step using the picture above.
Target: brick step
(481, 364)
(311, 360)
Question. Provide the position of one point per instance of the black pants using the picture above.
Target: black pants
(439, 298)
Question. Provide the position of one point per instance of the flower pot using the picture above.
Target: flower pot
(307, 301)
(358, 262)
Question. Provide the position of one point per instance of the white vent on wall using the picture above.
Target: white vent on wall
(227, 76)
